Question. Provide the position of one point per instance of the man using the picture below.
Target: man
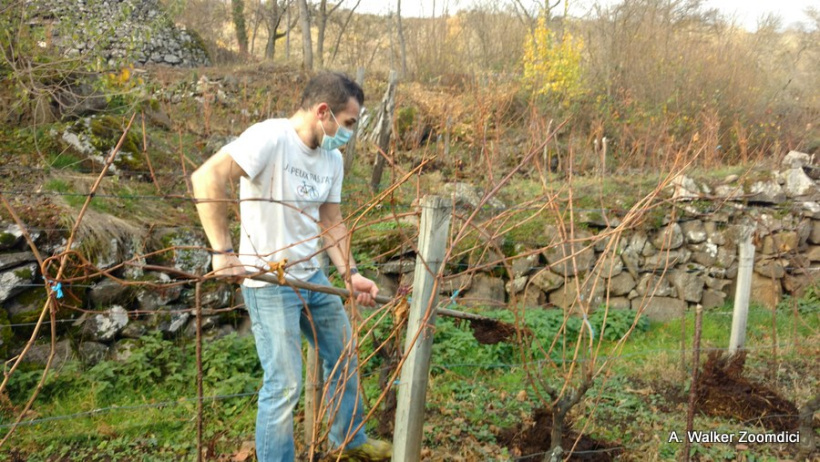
(290, 174)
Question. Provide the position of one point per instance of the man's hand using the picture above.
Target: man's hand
(228, 265)
(366, 289)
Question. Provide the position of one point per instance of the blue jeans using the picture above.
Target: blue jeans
(277, 316)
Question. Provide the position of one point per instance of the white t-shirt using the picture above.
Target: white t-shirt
(287, 182)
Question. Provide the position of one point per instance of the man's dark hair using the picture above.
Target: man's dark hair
(333, 88)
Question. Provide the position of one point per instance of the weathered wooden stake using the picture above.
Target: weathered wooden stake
(746, 262)
(313, 398)
(384, 128)
(433, 232)
(693, 388)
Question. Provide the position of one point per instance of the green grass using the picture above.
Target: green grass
(143, 408)
(716, 328)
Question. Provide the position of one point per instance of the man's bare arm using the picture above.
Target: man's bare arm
(337, 241)
(209, 183)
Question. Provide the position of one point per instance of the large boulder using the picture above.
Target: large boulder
(780, 242)
(798, 183)
(609, 265)
(667, 259)
(694, 231)
(14, 259)
(689, 285)
(11, 237)
(486, 291)
(516, 285)
(546, 280)
(704, 254)
(570, 258)
(632, 261)
(523, 266)
(621, 285)
(767, 192)
(470, 197)
(16, 280)
(660, 309)
(108, 291)
(766, 291)
(713, 299)
(92, 353)
(655, 285)
(813, 254)
(160, 293)
(669, 238)
(531, 297)
(771, 267)
(39, 353)
(684, 189)
(455, 283)
(795, 159)
(104, 327)
(590, 297)
(171, 320)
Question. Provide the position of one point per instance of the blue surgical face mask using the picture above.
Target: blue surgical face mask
(338, 140)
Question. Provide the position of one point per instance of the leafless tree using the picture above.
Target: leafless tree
(402, 43)
(342, 30)
(238, 7)
(273, 13)
(323, 14)
(528, 13)
(307, 43)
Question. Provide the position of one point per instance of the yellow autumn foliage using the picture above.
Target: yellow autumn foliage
(552, 64)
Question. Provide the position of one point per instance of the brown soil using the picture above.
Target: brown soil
(534, 440)
(491, 332)
(722, 391)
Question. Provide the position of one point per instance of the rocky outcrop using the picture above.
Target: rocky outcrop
(121, 32)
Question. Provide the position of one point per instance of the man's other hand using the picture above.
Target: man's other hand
(228, 265)
(365, 289)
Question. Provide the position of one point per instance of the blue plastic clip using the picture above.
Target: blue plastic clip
(453, 297)
(58, 289)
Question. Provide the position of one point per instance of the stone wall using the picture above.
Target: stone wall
(662, 270)
(120, 32)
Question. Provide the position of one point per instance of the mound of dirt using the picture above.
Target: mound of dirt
(722, 391)
(488, 332)
(525, 439)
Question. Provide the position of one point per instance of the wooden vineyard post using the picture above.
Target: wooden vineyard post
(384, 128)
(412, 388)
(746, 263)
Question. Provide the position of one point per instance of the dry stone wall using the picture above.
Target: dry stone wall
(660, 270)
(118, 32)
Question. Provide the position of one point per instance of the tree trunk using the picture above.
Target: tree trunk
(287, 38)
(273, 17)
(238, 7)
(342, 31)
(556, 452)
(321, 26)
(307, 45)
(402, 44)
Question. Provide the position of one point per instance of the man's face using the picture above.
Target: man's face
(346, 117)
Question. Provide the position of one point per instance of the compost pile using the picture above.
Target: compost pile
(722, 391)
(529, 439)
